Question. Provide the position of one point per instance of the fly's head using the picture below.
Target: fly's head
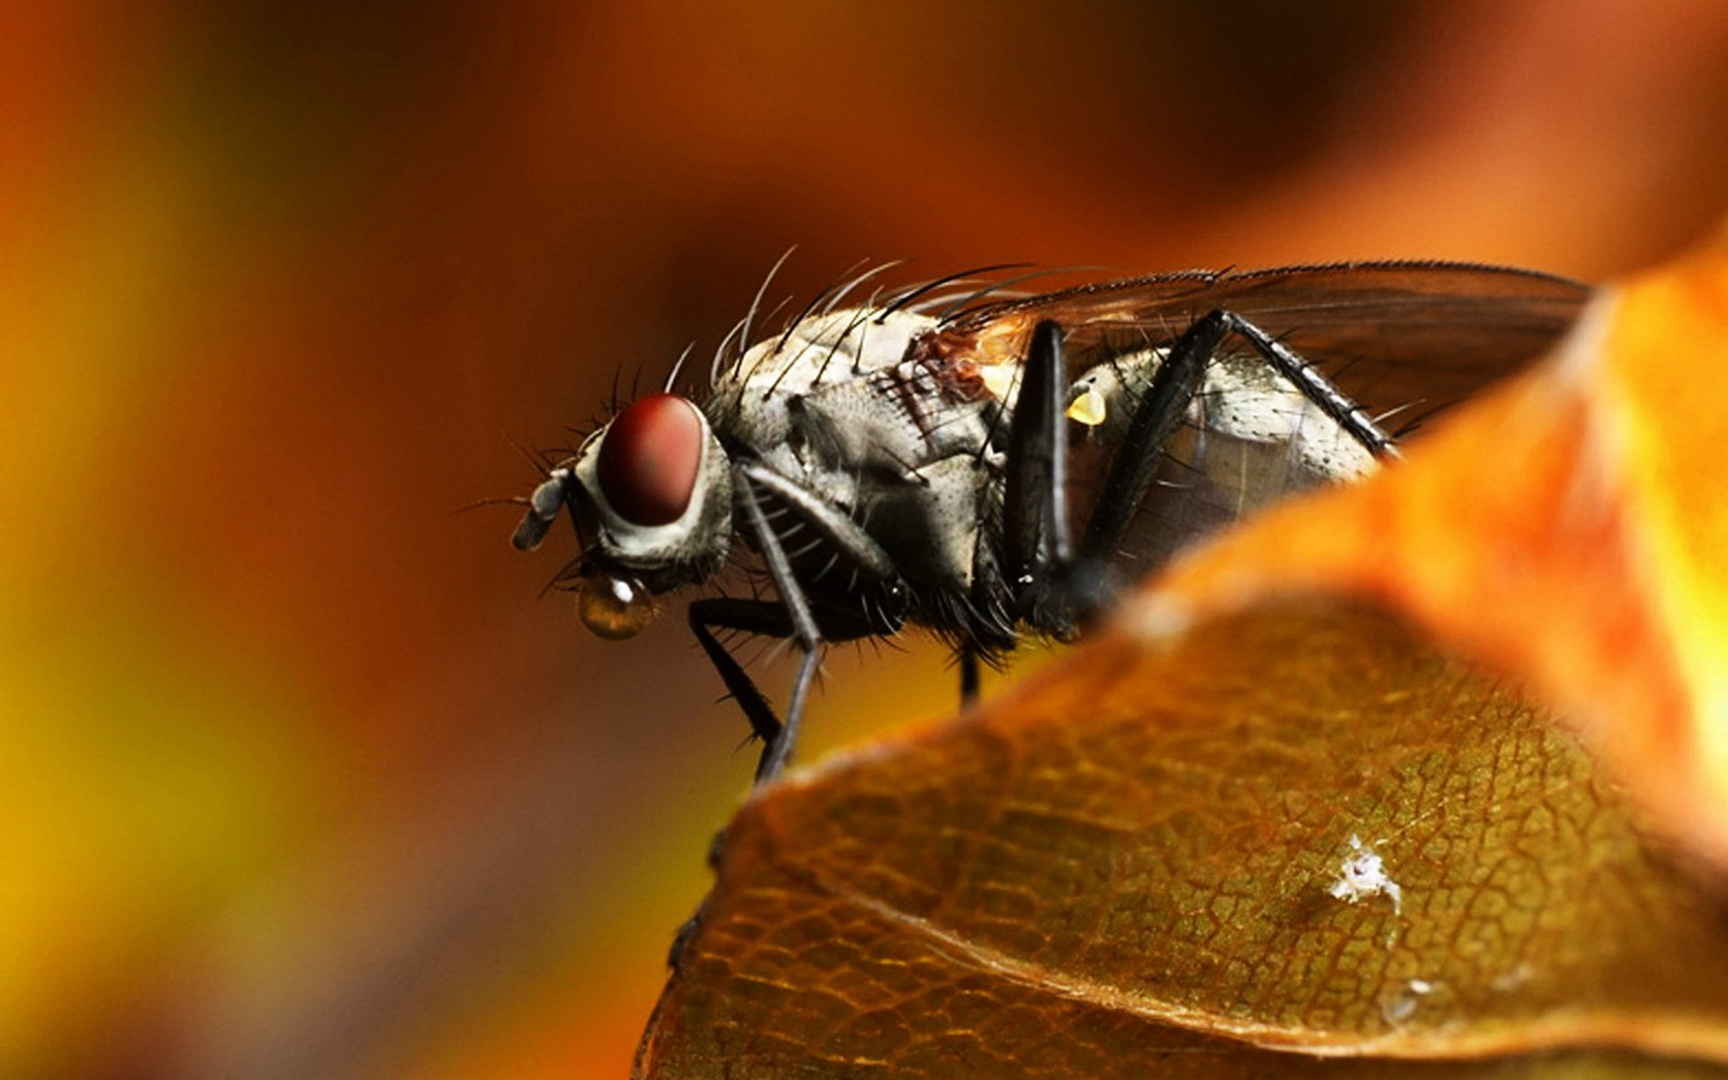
(650, 496)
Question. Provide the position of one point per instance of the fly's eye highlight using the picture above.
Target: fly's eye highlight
(649, 459)
(613, 607)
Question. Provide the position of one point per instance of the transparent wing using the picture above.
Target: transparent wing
(1406, 336)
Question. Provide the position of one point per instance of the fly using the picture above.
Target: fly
(988, 468)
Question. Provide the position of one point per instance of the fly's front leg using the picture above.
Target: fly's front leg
(852, 542)
(779, 747)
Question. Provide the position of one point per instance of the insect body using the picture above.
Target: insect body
(996, 469)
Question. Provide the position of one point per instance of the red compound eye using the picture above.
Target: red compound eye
(649, 458)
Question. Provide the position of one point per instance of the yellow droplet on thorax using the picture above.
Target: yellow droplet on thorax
(1088, 408)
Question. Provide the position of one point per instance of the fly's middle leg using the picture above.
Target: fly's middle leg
(1036, 545)
(1156, 417)
(1065, 590)
(751, 616)
(769, 620)
(1162, 410)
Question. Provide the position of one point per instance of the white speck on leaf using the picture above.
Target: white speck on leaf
(1363, 874)
(1402, 1005)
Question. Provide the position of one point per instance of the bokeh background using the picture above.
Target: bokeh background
(298, 776)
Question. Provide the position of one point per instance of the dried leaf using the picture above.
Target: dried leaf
(1133, 863)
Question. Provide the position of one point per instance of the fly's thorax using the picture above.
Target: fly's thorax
(751, 396)
(883, 422)
(657, 487)
(832, 346)
(932, 528)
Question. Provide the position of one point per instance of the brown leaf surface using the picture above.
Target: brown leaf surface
(1129, 864)
(1571, 528)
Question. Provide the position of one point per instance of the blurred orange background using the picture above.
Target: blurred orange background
(299, 778)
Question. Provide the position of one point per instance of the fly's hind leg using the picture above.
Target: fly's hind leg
(1317, 388)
